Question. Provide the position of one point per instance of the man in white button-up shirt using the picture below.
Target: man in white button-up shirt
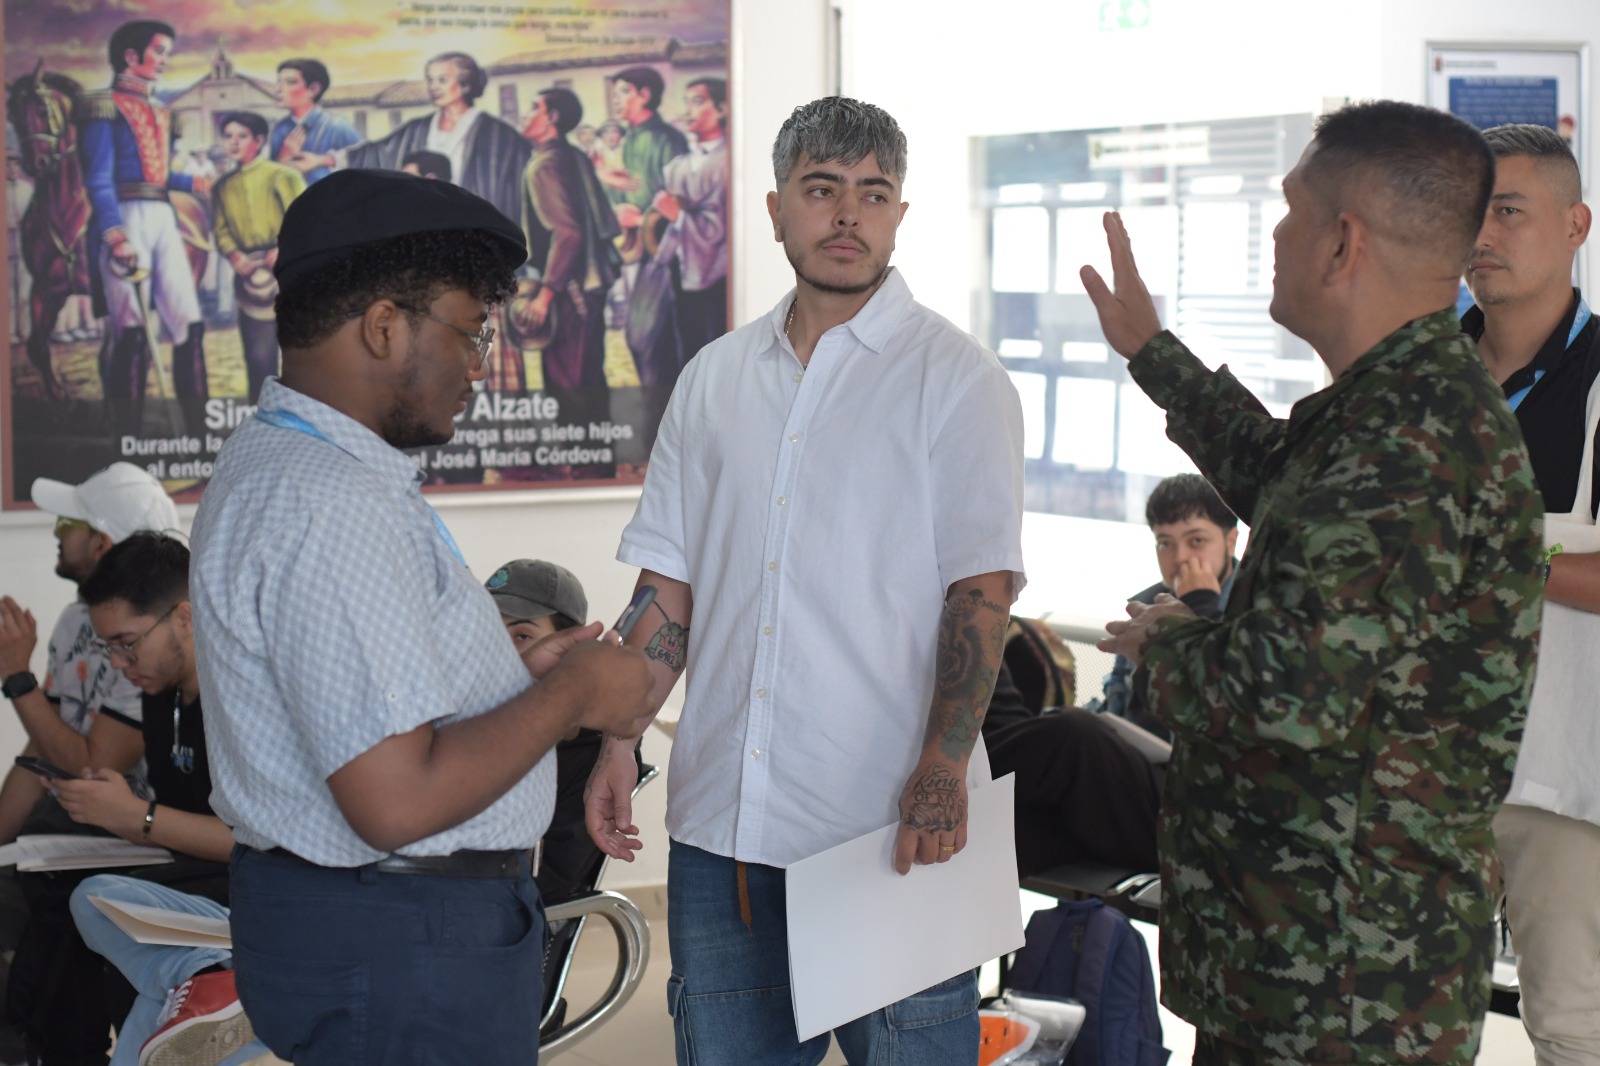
(834, 505)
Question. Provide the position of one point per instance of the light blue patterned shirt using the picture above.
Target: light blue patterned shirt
(330, 614)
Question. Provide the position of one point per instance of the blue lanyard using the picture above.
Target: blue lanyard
(1580, 318)
(291, 421)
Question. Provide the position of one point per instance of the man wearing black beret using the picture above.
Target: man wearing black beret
(377, 744)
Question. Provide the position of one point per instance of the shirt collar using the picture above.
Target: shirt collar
(343, 432)
(1550, 353)
(1394, 349)
(874, 324)
(707, 147)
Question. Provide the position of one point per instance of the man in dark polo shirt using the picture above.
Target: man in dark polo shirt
(1539, 341)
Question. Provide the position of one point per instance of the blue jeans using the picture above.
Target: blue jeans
(729, 989)
(152, 969)
(349, 966)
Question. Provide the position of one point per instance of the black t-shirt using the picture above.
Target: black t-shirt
(175, 753)
(1553, 413)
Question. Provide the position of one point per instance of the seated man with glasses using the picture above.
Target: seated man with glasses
(81, 711)
(138, 603)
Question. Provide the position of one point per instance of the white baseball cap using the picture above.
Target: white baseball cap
(119, 501)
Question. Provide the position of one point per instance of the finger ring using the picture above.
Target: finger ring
(947, 847)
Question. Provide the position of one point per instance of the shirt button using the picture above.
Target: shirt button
(766, 631)
(794, 438)
(782, 500)
(800, 377)
(761, 693)
(772, 565)
(755, 753)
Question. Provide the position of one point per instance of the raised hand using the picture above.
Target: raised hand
(1192, 575)
(1127, 314)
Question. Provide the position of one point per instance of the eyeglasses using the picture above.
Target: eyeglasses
(481, 340)
(128, 652)
(67, 525)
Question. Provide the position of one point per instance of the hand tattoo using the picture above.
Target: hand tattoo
(971, 637)
(934, 801)
(669, 645)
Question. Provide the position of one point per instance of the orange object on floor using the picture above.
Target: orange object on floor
(1001, 1036)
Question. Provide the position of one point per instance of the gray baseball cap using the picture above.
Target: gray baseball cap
(533, 588)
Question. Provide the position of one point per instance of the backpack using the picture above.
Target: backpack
(1042, 666)
(1090, 952)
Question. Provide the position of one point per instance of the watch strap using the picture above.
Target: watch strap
(18, 684)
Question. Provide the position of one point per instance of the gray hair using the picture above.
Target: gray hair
(839, 128)
(1542, 144)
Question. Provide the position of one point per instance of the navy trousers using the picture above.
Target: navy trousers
(359, 966)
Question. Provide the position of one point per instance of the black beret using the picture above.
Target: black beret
(350, 208)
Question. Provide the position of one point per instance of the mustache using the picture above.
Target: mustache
(844, 239)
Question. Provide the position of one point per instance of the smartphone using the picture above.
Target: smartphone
(636, 609)
(44, 769)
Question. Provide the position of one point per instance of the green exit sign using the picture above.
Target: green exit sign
(1124, 15)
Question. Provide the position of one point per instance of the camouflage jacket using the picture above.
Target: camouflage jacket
(1346, 731)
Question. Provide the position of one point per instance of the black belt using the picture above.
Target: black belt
(457, 864)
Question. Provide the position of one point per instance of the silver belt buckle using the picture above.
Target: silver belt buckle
(538, 856)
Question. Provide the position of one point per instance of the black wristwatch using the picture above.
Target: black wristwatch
(18, 684)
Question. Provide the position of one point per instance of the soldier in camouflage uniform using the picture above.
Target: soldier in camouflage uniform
(1346, 731)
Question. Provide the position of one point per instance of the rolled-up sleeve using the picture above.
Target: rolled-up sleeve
(654, 539)
(976, 481)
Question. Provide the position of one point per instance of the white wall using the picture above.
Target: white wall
(779, 61)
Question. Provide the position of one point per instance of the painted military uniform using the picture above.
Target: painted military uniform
(1345, 733)
(126, 145)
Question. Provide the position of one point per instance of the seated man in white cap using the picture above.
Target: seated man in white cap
(83, 712)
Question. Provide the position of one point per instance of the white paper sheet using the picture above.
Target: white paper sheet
(152, 925)
(861, 936)
(66, 851)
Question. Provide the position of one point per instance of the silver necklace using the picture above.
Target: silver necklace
(788, 324)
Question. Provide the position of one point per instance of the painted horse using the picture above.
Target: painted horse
(55, 225)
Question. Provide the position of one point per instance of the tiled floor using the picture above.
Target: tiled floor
(641, 1034)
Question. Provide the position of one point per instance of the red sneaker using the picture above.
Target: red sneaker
(202, 1024)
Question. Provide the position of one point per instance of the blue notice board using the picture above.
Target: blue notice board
(1493, 101)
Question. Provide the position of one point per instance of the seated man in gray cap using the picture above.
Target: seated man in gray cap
(376, 743)
(536, 599)
(82, 712)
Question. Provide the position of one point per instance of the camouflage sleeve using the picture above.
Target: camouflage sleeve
(1212, 417)
(1355, 556)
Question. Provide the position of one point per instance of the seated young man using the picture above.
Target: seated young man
(1084, 793)
(536, 599)
(138, 603)
(1196, 536)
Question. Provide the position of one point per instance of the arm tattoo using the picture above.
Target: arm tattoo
(971, 638)
(669, 646)
(933, 801)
